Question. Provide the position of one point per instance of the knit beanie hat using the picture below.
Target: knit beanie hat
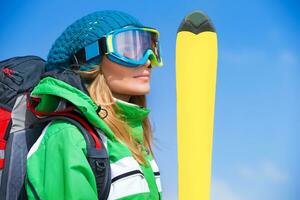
(84, 32)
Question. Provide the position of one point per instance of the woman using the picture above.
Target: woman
(113, 53)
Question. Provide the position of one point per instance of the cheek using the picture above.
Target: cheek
(120, 80)
(117, 75)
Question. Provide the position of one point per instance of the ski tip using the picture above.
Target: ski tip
(196, 22)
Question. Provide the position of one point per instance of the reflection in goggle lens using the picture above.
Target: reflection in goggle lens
(134, 44)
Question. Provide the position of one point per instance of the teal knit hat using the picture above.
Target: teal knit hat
(83, 32)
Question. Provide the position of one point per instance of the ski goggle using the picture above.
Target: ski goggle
(132, 46)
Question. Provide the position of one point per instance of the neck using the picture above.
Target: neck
(122, 97)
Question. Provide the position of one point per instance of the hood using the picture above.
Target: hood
(53, 94)
(56, 89)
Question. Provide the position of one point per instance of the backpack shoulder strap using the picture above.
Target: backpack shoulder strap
(97, 156)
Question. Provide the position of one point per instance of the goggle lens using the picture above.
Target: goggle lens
(134, 44)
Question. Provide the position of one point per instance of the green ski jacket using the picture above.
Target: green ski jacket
(57, 167)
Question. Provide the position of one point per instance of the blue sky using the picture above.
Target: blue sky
(256, 152)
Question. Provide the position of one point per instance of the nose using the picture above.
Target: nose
(148, 64)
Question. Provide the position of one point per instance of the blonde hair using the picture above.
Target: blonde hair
(101, 94)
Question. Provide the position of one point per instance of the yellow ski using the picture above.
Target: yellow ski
(196, 69)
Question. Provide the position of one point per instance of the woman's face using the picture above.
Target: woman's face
(126, 81)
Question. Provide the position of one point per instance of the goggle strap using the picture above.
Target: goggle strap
(79, 57)
(102, 46)
(84, 54)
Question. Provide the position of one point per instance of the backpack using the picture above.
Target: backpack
(20, 128)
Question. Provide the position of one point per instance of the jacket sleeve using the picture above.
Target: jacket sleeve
(57, 167)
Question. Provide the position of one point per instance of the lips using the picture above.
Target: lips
(147, 74)
(141, 76)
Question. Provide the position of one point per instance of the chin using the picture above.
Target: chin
(139, 91)
(131, 89)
